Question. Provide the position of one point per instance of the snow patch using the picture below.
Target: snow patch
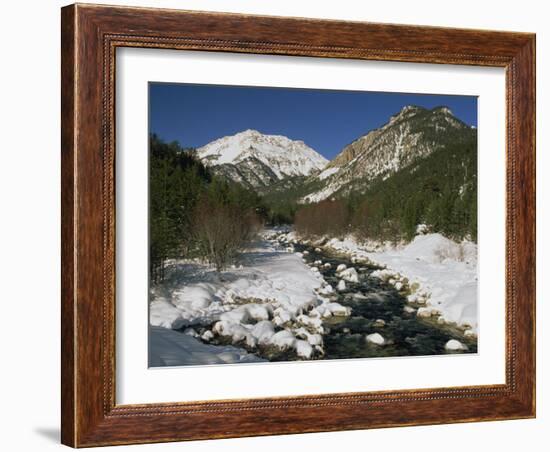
(171, 348)
(327, 173)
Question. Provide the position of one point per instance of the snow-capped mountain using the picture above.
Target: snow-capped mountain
(260, 160)
(412, 134)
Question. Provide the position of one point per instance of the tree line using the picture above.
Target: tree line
(439, 191)
(194, 214)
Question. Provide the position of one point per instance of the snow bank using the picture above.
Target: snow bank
(435, 249)
(441, 273)
(198, 296)
(273, 289)
(270, 276)
(165, 314)
(171, 348)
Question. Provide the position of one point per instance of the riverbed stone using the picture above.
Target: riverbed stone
(341, 268)
(350, 274)
(454, 345)
(424, 312)
(191, 332)
(469, 333)
(375, 338)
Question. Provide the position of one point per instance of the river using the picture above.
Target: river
(377, 307)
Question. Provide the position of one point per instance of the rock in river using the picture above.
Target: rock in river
(376, 338)
(453, 345)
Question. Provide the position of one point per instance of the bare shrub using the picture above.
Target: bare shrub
(325, 217)
(222, 230)
(367, 221)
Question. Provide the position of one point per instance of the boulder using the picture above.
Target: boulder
(453, 345)
(375, 338)
(350, 274)
(341, 268)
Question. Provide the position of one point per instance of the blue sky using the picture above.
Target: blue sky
(326, 120)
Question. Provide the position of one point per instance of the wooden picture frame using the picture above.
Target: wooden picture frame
(90, 36)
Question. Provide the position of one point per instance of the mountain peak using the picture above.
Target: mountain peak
(248, 132)
(406, 112)
(246, 151)
(443, 109)
(411, 109)
(413, 133)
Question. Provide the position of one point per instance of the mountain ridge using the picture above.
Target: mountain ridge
(259, 160)
(266, 162)
(414, 132)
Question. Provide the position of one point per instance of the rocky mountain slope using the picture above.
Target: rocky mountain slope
(412, 134)
(258, 160)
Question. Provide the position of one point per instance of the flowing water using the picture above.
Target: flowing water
(372, 300)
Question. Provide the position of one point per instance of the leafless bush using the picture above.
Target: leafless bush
(325, 217)
(222, 230)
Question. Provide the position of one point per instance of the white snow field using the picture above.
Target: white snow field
(272, 299)
(441, 273)
(172, 348)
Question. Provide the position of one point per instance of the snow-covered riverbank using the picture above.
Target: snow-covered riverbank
(172, 348)
(442, 274)
(277, 300)
(272, 299)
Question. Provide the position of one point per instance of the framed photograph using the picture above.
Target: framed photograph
(282, 225)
